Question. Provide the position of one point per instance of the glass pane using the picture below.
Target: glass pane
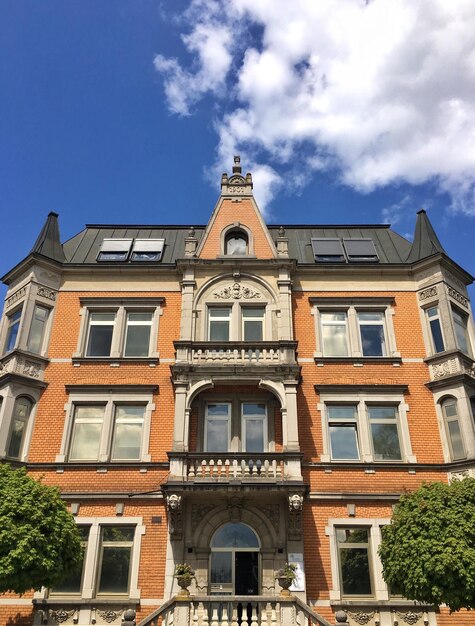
(344, 445)
(218, 331)
(334, 340)
(72, 582)
(382, 412)
(370, 316)
(221, 567)
(217, 409)
(100, 340)
(138, 340)
(437, 338)
(127, 441)
(85, 442)
(102, 317)
(335, 316)
(217, 312)
(352, 535)
(385, 442)
(456, 442)
(339, 412)
(450, 408)
(14, 325)
(253, 312)
(461, 335)
(372, 340)
(253, 330)
(38, 324)
(236, 245)
(16, 438)
(248, 408)
(22, 407)
(235, 536)
(254, 435)
(139, 317)
(118, 533)
(115, 567)
(355, 576)
(217, 435)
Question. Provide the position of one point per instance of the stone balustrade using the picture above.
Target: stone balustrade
(259, 353)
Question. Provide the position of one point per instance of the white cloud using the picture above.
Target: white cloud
(380, 92)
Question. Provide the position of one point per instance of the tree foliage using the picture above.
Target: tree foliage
(39, 540)
(428, 550)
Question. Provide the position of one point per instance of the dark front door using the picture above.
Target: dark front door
(246, 581)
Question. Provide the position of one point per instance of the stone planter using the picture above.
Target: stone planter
(184, 581)
(285, 583)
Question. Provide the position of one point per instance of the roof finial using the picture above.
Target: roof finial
(237, 165)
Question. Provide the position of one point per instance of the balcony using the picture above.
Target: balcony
(234, 468)
(202, 355)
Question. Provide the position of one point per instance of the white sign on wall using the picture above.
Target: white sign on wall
(299, 583)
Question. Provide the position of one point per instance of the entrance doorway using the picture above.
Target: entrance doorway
(234, 565)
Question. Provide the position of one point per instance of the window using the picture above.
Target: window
(128, 426)
(219, 322)
(137, 334)
(254, 427)
(37, 329)
(147, 250)
(99, 340)
(217, 427)
(384, 433)
(360, 250)
(342, 427)
(72, 583)
(236, 243)
(110, 564)
(355, 328)
(452, 423)
(115, 559)
(364, 425)
(461, 334)
(354, 561)
(21, 414)
(252, 323)
(109, 425)
(328, 251)
(114, 329)
(12, 330)
(371, 325)
(334, 333)
(435, 329)
(115, 250)
(87, 431)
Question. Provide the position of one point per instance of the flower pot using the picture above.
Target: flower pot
(184, 581)
(285, 583)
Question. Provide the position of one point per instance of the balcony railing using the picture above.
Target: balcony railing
(235, 611)
(235, 466)
(236, 353)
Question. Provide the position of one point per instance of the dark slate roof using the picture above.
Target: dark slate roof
(84, 247)
(48, 243)
(426, 243)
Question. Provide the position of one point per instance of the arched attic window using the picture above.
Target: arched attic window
(236, 243)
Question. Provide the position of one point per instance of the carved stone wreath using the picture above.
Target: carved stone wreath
(236, 292)
(409, 617)
(361, 617)
(109, 616)
(61, 615)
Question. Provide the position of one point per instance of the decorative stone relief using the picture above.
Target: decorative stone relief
(61, 615)
(235, 504)
(428, 293)
(236, 292)
(294, 528)
(458, 296)
(361, 617)
(467, 473)
(409, 617)
(272, 512)
(44, 292)
(30, 368)
(446, 368)
(470, 370)
(109, 615)
(175, 516)
(295, 502)
(17, 295)
(198, 512)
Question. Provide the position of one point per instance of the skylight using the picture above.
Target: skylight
(361, 250)
(328, 251)
(147, 250)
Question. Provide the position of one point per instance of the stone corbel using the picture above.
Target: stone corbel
(175, 516)
(294, 529)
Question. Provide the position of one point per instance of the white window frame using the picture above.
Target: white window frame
(9, 325)
(462, 396)
(223, 318)
(429, 327)
(121, 308)
(350, 421)
(381, 323)
(236, 319)
(352, 306)
(464, 325)
(92, 560)
(264, 420)
(448, 420)
(380, 589)
(208, 418)
(110, 399)
(46, 328)
(10, 393)
(331, 324)
(363, 399)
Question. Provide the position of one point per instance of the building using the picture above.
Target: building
(235, 396)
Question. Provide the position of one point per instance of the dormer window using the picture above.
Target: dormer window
(236, 243)
(115, 250)
(147, 249)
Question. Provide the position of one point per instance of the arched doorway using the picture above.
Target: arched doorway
(234, 562)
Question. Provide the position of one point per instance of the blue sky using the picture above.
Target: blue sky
(127, 111)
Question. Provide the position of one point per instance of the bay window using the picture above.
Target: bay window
(452, 425)
(13, 327)
(461, 333)
(21, 414)
(38, 329)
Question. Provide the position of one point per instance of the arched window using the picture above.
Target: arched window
(452, 423)
(236, 243)
(21, 414)
(234, 565)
